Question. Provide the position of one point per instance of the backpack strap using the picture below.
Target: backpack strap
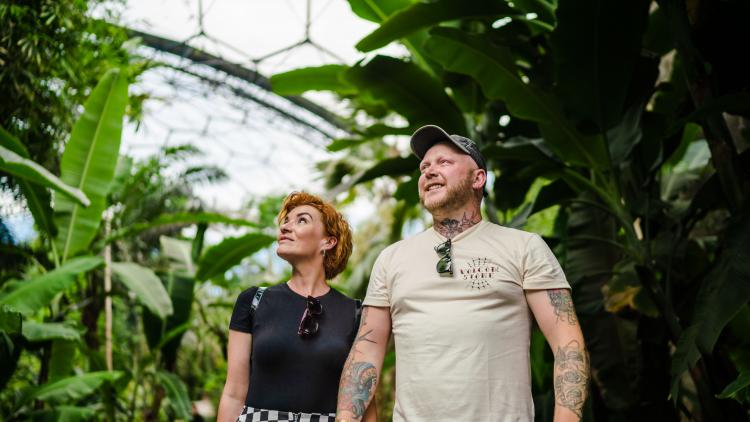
(357, 314)
(256, 300)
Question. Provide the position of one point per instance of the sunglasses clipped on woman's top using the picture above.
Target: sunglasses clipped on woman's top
(308, 325)
(444, 265)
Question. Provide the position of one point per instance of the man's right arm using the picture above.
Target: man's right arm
(361, 372)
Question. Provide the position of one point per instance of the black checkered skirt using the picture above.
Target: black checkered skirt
(250, 414)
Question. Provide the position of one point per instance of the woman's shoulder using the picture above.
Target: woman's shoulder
(339, 296)
(248, 293)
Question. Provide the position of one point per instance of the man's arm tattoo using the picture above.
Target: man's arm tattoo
(450, 227)
(358, 379)
(571, 376)
(357, 386)
(563, 305)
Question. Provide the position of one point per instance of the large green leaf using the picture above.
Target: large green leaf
(739, 389)
(64, 414)
(10, 320)
(219, 258)
(723, 293)
(89, 162)
(167, 334)
(73, 388)
(495, 70)
(23, 168)
(43, 331)
(520, 149)
(378, 11)
(177, 393)
(178, 218)
(552, 194)
(393, 167)
(29, 296)
(62, 359)
(146, 285)
(179, 254)
(545, 10)
(611, 340)
(409, 91)
(321, 78)
(37, 197)
(424, 15)
(595, 47)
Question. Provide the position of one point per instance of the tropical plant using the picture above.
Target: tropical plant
(615, 130)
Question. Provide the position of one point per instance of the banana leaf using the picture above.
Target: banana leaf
(320, 78)
(409, 90)
(73, 388)
(496, 72)
(146, 285)
(177, 394)
(424, 15)
(44, 331)
(88, 162)
(31, 295)
(24, 168)
(220, 258)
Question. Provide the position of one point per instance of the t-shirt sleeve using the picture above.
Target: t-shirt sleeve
(541, 269)
(241, 319)
(377, 289)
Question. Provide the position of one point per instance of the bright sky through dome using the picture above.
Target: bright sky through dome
(252, 145)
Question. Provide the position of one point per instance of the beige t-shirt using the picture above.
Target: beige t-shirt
(462, 342)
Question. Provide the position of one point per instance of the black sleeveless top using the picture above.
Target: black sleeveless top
(289, 373)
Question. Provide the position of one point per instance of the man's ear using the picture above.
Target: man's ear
(480, 178)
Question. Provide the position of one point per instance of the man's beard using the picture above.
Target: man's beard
(455, 197)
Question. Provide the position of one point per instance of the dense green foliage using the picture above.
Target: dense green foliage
(619, 133)
(619, 130)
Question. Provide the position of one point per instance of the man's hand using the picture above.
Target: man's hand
(556, 316)
(359, 378)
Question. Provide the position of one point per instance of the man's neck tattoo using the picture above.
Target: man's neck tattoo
(450, 227)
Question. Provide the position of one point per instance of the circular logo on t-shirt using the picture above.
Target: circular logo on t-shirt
(478, 272)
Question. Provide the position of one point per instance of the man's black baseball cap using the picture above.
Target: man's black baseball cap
(427, 136)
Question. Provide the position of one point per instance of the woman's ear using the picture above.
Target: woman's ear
(331, 242)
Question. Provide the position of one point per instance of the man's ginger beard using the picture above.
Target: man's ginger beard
(456, 196)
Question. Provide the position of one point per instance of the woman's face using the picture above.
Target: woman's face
(302, 234)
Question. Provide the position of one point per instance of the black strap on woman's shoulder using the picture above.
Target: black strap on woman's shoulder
(357, 318)
(357, 313)
(256, 300)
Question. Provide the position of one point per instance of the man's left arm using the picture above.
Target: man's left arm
(556, 316)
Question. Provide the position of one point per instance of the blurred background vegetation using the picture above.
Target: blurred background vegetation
(618, 130)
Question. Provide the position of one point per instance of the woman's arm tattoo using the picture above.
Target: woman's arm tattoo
(571, 376)
(563, 305)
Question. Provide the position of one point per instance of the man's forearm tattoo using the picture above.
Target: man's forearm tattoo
(450, 227)
(358, 379)
(357, 386)
(571, 376)
(563, 305)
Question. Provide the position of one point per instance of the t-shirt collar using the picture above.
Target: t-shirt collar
(459, 236)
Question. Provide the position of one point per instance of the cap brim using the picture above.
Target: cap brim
(427, 136)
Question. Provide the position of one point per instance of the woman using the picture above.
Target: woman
(286, 353)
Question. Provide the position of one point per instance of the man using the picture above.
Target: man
(459, 298)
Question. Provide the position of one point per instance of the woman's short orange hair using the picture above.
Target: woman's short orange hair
(335, 225)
